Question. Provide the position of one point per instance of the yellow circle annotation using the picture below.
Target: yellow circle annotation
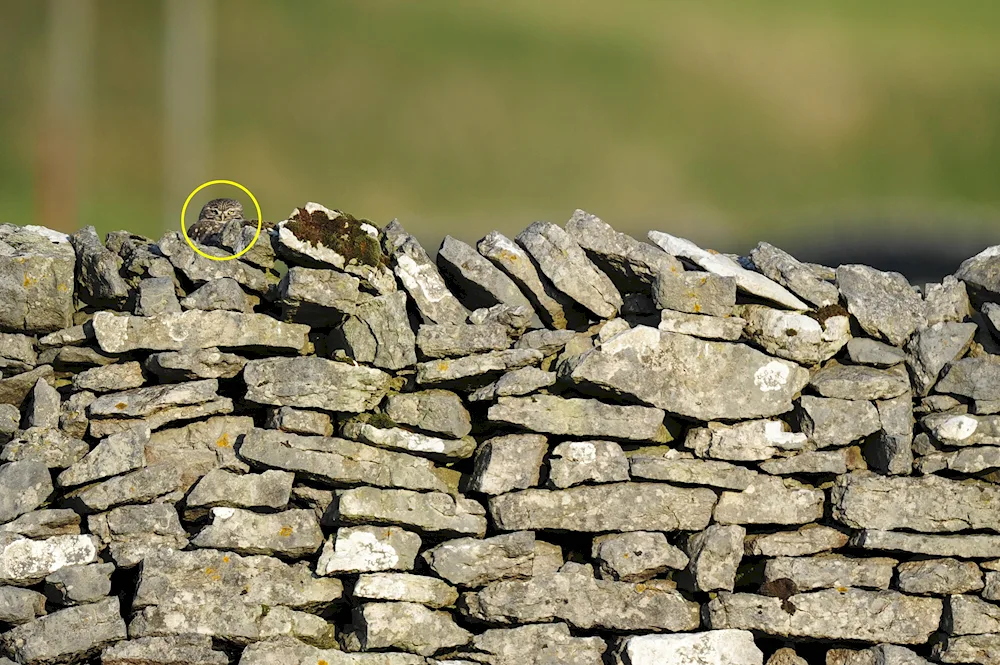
(260, 219)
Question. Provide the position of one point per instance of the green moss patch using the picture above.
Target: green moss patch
(342, 234)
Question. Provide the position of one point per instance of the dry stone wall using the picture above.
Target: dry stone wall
(569, 447)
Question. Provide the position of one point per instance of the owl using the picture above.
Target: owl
(213, 217)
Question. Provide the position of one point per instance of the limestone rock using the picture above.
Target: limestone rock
(968, 615)
(14, 389)
(115, 455)
(691, 377)
(199, 269)
(506, 463)
(75, 585)
(786, 270)
(714, 555)
(299, 421)
(583, 602)
(537, 644)
(44, 406)
(221, 488)
(36, 281)
(397, 438)
(365, 549)
(407, 626)
(438, 411)
(612, 507)
(454, 339)
(421, 279)
(751, 282)
(18, 606)
(695, 293)
(405, 587)
(191, 365)
(469, 562)
(794, 336)
(836, 422)
(580, 417)
(770, 500)
(69, 635)
(713, 647)
(971, 546)
(196, 329)
(290, 533)
(866, 351)
(24, 561)
(728, 328)
(379, 332)
(157, 295)
(635, 556)
(933, 348)
(884, 303)
(144, 402)
(939, 577)
(516, 382)
(854, 614)
(24, 486)
(478, 282)
(314, 383)
(858, 382)
(177, 650)
(806, 540)
(132, 533)
(219, 294)
(575, 462)
(117, 376)
(981, 649)
(833, 462)
(978, 378)
(139, 486)
(831, 571)
(425, 512)
(439, 371)
(673, 466)
(316, 292)
(751, 440)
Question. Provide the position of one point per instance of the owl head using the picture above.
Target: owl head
(221, 210)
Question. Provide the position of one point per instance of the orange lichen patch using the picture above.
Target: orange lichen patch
(28, 281)
(62, 287)
(285, 532)
(842, 589)
(697, 308)
(442, 366)
(321, 662)
(508, 256)
(225, 559)
(223, 441)
(639, 588)
(121, 405)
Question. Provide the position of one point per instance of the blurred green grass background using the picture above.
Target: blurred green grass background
(721, 121)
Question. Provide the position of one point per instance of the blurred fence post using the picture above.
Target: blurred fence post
(188, 64)
(63, 143)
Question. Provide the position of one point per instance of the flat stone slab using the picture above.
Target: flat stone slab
(611, 507)
(25, 561)
(455, 369)
(971, 546)
(365, 549)
(196, 329)
(290, 533)
(69, 635)
(425, 512)
(581, 417)
(478, 281)
(174, 650)
(471, 562)
(831, 614)
(864, 500)
(37, 276)
(770, 500)
(407, 588)
(884, 303)
(406, 626)
(673, 466)
(691, 377)
(791, 273)
(421, 279)
(298, 653)
(806, 540)
(397, 438)
(713, 647)
(831, 571)
(438, 411)
(968, 649)
(535, 644)
(583, 602)
(314, 383)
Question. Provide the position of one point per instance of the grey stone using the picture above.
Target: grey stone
(19, 606)
(980, 272)
(536, 644)
(632, 265)
(786, 270)
(939, 577)
(822, 462)
(728, 328)
(139, 486)
(867, 501)
(947, 301)
(478, 282)
(460, 339)
(691, 377)
(49, 446)
(220, 488)
(201, 446)
(78, 355)
(855, 614)
(10, 418)
(564, 262)
(279, 622)
(612, 507)
(554, 306)
(506, 463)
(583, 602)
(228, 620)
(859, 382)
(806, 540)
(831, 571)
(17, 353)
(865, 351)
(836, 422)
(97, 269)
(417, 274)
(405, 587)
(115, 455)
(44, 523)
(36, 281)
(409, 627)
(884, 303)
(100, 428)
(933, 348)
(971, 546)
(733, 647)
(379, 332)
(673, 466)
(438, 411)
(191, 365)
(236, 236)
(299, 421)
(425, 512)
(786, 656)
(144, 402)
(516, 320)
(117, 376)
(25, 561)
(970, 460)
(575, 462)
(24, 486)
(978, 378)
(635, 556)
(517, 382)
(438, 371)
(470, 562)
(174, 650)
(173, 578)
(695, 293)
(991, 588)
(714, 555)
(319, 294)
(397, 438)
(891, 452)
(156, 296)
(75, 585)
(968, 615)
(546, 341)
(983, 649)
(986, 407)
(580, 417)
(44, 406)
(195, 329)
(14, 389)
(961, 429)
(132, 533)
(770, 500)
(291, 533)
(219, 294)
(366, 549)
(199, 269)
(296, 653)
(340, 463)
(70, 635)
(314, 383)
(748, 281)
(794, 336)
(752, 440)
